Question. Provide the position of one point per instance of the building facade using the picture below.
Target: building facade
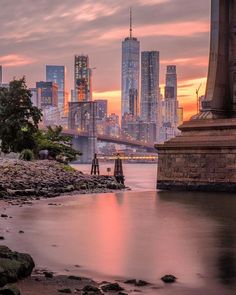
(57, 74)
(150, 84)
(82, 79)
(101, 108)
(48, 94)
(170, 122)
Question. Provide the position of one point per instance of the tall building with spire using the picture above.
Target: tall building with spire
(130, 75)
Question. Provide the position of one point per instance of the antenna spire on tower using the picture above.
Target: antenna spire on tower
(131, 23)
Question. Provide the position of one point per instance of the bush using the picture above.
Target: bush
(58, 145)
(27, 155)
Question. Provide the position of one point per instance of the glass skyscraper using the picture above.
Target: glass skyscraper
(57, 74)
(130, 75)
(150, 65)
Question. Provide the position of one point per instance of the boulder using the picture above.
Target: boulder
(14, 266)
(65, 291)
(91, 290)
(10, 290)
(48, 274)
(112, 288)
(168, 279)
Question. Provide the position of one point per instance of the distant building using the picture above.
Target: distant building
(57, 74)
(149, 85)
(36, 96)
(170, 106)
(5, 85)
(101, 108)
(82, 79)
(130, 75)
(109, 125)
(141, 131)
(48, 94)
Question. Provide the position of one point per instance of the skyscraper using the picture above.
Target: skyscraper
(170, 105)
(171, 96)
(57, 74)
(149, 85)
(130, 74)
(83, 81)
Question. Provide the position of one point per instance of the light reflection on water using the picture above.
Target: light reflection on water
(141, 234)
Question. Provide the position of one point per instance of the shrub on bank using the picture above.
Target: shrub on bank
(27, 155)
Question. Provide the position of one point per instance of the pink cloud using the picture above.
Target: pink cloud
(201, 61)
(14, 60)
(172, 29)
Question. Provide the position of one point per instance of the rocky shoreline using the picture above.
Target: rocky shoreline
(21, 182)
(19, 179)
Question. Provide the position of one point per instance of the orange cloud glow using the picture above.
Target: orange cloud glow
(172, 29)
(14, 60)
(186, 96)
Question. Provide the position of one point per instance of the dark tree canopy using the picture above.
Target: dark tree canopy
(19, 119)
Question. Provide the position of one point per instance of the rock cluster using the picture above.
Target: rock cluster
(48, 179)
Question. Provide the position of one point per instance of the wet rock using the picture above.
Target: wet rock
(113, 287)
(48, 274)
(65, 291)
(91, 290)
(10, 290)
(4, 215)
(141, 283)
(168, 279)
(14, 266)
(75, 278)
(138, 283)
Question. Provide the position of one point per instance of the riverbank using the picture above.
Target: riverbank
(22, 182)
(21, 179)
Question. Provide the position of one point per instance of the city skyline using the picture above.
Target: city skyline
(159, 25)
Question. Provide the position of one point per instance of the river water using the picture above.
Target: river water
(141, 234)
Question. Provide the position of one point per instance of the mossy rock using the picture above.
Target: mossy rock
(14, 266)
(10, 290)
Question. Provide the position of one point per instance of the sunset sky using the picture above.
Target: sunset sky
(36, 33)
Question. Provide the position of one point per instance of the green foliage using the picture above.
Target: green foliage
(58, 145)
(27, 155)
(68, 168)
(19, 119)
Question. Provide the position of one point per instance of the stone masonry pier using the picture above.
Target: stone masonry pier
(203, 157)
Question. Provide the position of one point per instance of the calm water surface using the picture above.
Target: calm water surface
(140, 234)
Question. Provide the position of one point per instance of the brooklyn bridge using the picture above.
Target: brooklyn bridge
(81, 125)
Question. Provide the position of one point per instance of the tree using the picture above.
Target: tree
(19, 119)
(58, 145)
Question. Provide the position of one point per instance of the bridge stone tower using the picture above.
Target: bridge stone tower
(82, 117)
(203, 157)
